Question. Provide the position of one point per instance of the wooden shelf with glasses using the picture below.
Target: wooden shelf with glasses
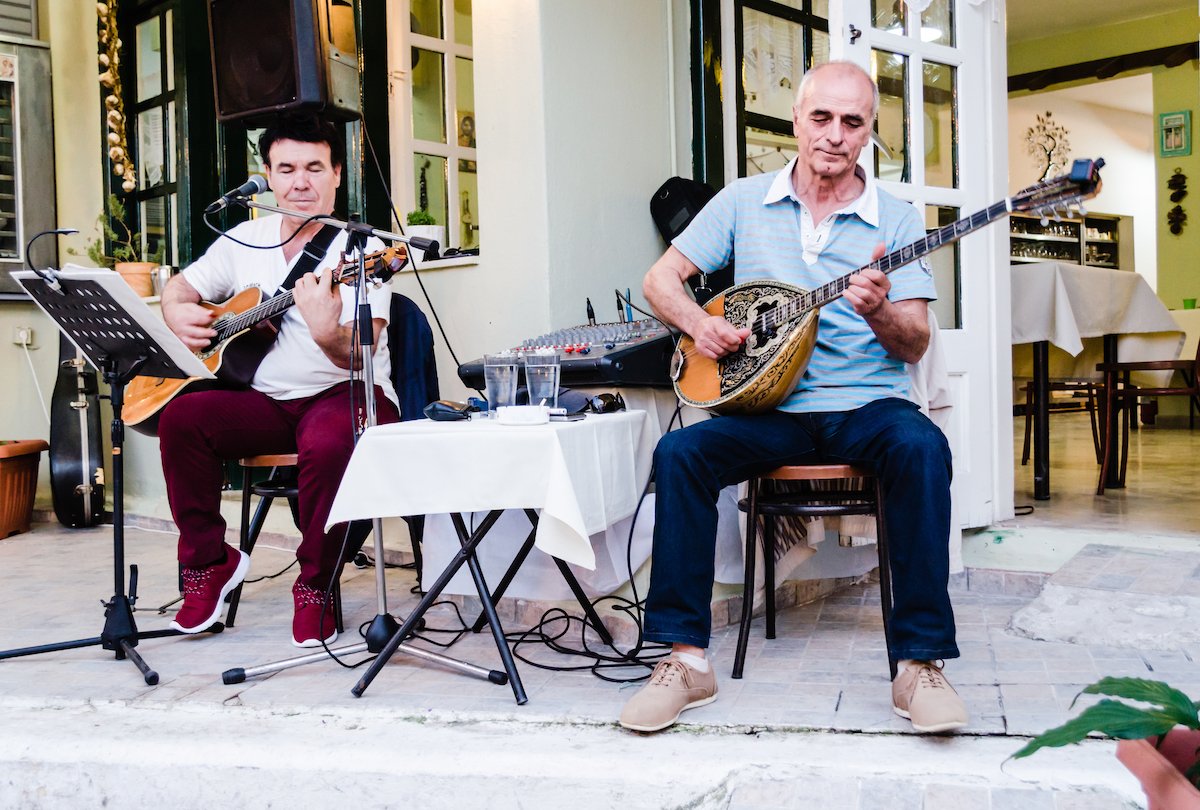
(1095, 240)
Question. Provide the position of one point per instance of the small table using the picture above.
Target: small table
(583, 476)
(1066, 305)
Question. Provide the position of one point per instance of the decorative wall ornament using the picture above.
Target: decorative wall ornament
(1177, 217)
(1175, 134)
(1047, 142)
(110, 78)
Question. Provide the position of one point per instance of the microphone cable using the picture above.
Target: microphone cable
(220, 233)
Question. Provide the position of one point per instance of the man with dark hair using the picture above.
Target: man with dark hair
(301, 398)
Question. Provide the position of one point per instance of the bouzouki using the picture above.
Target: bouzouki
(246, 326)
(783, 318)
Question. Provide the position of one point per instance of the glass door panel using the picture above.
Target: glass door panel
(941, 125)
(772, 63)
(890, 71)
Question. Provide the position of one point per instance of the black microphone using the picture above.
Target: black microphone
(257, 184)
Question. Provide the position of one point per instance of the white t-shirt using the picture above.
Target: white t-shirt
(295, 366)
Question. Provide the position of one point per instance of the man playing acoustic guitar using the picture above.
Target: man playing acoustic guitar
(301, 398)
(819, 218)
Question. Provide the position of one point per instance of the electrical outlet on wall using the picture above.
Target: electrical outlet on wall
(23, 336)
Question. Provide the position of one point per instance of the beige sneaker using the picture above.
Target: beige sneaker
(922, 694)
(673, 687)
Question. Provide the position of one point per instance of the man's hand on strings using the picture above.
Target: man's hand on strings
(319, 303)
(192, 323)
(869, 288)
(716, 337)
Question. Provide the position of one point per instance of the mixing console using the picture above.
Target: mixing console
(634, 353)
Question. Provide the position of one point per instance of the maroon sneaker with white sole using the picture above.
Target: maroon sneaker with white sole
(313, 622)
(205, 589)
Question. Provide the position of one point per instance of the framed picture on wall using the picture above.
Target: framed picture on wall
(1175, 134)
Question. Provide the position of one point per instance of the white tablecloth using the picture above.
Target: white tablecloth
(1073, 307)
(583, 476)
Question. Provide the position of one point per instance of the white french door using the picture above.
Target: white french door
(943, 103)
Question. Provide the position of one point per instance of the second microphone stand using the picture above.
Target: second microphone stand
(384, 626)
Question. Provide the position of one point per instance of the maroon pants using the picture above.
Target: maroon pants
(199, 431)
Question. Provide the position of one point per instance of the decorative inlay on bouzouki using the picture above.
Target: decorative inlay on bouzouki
(244, 335)
(783, 318)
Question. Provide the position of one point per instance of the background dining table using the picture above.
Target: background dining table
(1067, 318)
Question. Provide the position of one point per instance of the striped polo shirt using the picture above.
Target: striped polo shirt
(760, 223)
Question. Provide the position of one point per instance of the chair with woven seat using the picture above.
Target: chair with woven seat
(1122, 397)
(830, 490)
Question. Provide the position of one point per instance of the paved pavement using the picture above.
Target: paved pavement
(809, 726)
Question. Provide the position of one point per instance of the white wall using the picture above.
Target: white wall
(1126, 142)
(574, 133)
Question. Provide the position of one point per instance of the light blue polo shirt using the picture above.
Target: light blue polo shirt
(759, 223)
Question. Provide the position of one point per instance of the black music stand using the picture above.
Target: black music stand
(121, 337)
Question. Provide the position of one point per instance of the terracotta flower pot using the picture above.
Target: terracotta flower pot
(1161, 770)
(138, 275)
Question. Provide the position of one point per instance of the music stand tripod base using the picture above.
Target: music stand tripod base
(120, 336)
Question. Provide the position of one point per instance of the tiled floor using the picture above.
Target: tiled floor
(1159, 497)
(826, 671)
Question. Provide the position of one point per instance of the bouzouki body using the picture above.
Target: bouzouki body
(764, 371)
(783, 318)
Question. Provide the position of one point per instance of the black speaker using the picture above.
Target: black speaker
(276, 56)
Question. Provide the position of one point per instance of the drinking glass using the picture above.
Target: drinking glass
(541, 377)
(500, 379)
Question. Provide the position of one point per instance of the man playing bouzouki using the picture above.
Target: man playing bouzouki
(818, 219)
(300, 398)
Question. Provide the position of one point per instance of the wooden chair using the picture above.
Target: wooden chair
(1089, 388)
(851, 490)
(1123, 397)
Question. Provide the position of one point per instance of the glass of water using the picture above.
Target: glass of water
(541, 377)
(500, 379)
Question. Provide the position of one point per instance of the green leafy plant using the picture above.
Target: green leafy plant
(1164, 708)
(420, 217)
(126, 244)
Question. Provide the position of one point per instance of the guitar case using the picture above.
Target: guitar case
(76, 441)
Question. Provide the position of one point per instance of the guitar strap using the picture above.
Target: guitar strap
(310, 256)
(243, 356)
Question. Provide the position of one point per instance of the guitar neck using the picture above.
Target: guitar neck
(820, 296)
(267, 309)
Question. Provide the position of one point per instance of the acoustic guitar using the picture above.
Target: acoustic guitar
(783, 318)
(246, 327)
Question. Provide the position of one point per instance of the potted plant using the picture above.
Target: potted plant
(1158, 740)
(422, 224)
(126, 256)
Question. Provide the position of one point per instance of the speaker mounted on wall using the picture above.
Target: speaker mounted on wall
(279, 56)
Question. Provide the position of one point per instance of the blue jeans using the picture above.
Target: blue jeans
(891, 436)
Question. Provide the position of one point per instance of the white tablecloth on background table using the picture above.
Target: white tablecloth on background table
(583, 476)
(1073, 307)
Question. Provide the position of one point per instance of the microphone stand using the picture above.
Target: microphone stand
(384, 626)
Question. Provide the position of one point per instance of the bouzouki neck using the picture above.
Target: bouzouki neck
(1083, 181)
